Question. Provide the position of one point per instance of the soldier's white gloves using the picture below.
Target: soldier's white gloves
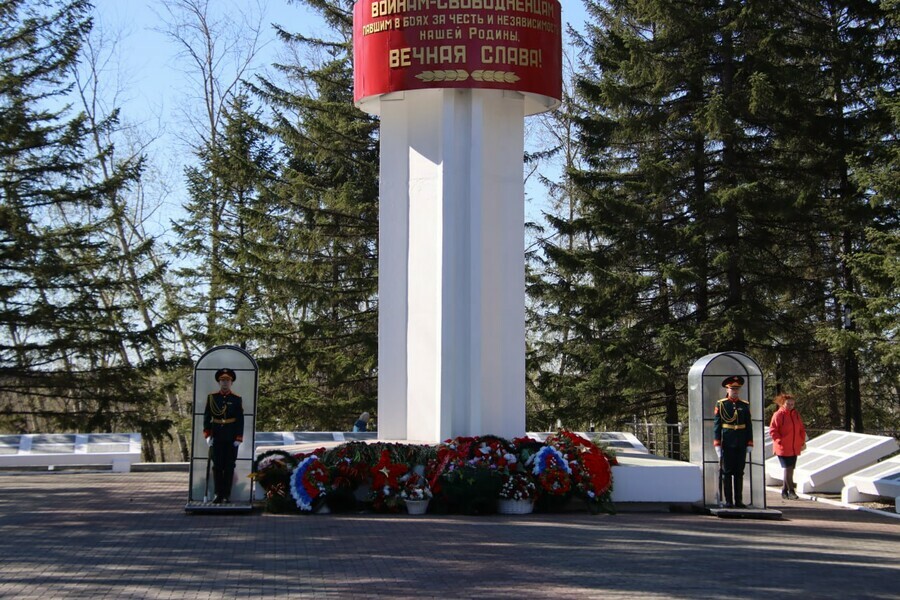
(749, 450)
(236, 443)
(718, 451)
(209, 441)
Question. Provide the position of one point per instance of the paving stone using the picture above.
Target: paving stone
(126, 535)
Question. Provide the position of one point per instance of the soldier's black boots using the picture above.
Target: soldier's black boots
(739, 492)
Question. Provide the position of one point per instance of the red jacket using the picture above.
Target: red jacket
(787, 432)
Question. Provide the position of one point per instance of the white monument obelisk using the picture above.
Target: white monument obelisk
(452, 81)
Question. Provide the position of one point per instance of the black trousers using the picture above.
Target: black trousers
(733, 461)
(224, 457)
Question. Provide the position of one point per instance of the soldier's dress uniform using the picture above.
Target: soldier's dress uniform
(733, 432)
(223, 420)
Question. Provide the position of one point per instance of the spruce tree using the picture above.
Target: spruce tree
(659, 260)
(837, 61)
(322, 351)
(876, 260)
(71, 347)
(717, 210)
(225, 216)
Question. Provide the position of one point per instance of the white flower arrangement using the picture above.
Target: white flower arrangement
(414, 487)
(518, 486)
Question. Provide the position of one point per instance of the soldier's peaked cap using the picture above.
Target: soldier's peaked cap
(225, 373)
(733, 381)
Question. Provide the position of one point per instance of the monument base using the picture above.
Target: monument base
(209, 507)
(746, 513)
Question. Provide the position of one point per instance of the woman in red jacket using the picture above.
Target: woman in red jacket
(789, 439)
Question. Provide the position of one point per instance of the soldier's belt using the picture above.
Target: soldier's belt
(724, 425)
(232, 420)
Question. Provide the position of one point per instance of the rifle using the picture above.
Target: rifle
(720, 492)
(206, 489)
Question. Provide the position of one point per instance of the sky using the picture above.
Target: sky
(149, 68)
(149, 61)
(145, 76)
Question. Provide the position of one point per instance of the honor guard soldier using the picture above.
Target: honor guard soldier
(733, 439)
(223, 428)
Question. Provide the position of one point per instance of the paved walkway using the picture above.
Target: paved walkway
(107, 535)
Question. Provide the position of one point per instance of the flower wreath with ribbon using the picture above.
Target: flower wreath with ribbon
(309, 482)
(386, 483)
(552, 471)
(591, 469)
(272, 470)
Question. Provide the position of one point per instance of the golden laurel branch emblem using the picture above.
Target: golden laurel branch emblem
(445, 75)
(495, 76)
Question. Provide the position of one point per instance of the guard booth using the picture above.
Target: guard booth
(704, 389)
(245, 385)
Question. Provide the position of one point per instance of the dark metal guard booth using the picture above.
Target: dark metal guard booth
(245, 386)
(704, 389)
